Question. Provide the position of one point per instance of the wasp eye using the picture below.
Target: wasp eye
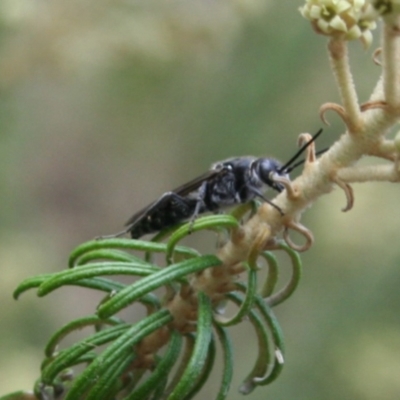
(266, 168)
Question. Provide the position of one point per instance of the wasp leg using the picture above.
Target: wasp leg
(261, 196)
(201, 193)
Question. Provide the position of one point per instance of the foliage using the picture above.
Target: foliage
(119, 353)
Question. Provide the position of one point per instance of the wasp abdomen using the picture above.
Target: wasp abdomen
(170, 210)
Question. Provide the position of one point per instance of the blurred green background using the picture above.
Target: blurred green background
(106, 105)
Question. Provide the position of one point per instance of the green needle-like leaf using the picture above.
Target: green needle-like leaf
(30, 283)
(227, 350)
(163, 277)
(199, 355)
(206, 371)
(273, 274)
(107, 385)
(117, 349)
(184, 362)
(128, 244)
(277, 339)
(275, 371)
(288, 290)
(67, 358)
(74, 325)
(264, 354)
(103, 284)
(162, 370)
(109, 255)
(247, 304)
(209, 222)
(69, 276)
(159, 392)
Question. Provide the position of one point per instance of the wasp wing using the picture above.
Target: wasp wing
(195, 183)
(182, 190)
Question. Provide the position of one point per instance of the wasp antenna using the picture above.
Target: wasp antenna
(291, 168)
(298, 153)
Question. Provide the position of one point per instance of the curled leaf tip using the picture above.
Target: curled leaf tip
(348, 190)
(287, 183)
(310, 156)
(303, 231)
(334, 107)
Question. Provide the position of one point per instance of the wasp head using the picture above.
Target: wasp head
(264, 169)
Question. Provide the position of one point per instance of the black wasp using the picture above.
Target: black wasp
(229, 182)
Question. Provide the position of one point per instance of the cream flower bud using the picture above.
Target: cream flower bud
(345, 19)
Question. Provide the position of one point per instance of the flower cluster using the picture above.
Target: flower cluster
(345, 19)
